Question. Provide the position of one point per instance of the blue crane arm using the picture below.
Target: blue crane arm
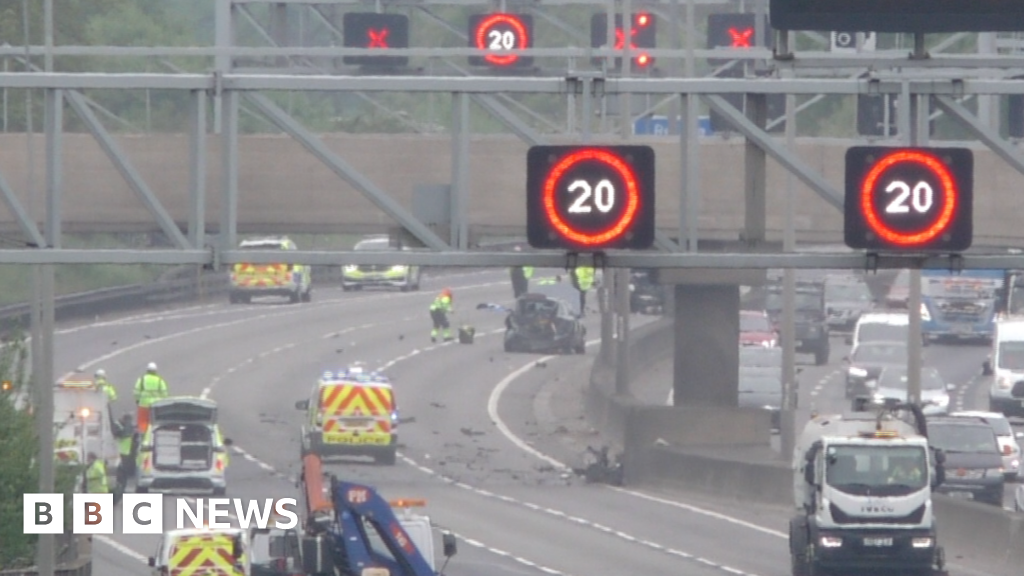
(360, 508)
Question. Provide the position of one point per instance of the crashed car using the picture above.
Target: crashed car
(539, 323)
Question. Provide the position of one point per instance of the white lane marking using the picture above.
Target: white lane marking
(117, 546)
(525, 562)
(576, 520)
(113, 354)
(701, 511)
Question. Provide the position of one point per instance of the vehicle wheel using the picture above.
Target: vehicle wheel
(419, 279)
(821, 356)
(245, 299)
(295, 297)
(345, 288)
(232, 299)
(580, 348)
(799, 565)
(307, 296)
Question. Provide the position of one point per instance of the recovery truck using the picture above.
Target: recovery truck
(862, 486)
(350, 530)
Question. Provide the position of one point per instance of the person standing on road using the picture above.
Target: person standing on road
(96, 476)
(583, 280)
(439, 311)
(520, 278)
(104, 385)
(148, 389)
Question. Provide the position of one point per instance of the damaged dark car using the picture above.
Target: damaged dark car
(542, 324)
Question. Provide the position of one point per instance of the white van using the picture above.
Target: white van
(1006, 366)
(880, 327)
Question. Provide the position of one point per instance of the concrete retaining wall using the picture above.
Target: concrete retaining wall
(695, 458)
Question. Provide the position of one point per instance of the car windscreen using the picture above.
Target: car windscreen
(885, 354)
(377, 246)
(896, 378)
(877, 332)
(1011, 355)
(1001, 426)
(538, 307)
(801, 301)
(847, 293)
(754, 323)
(959, 438)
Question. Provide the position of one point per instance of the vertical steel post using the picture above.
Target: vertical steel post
(790, 386)
(459, 228)
(917, 115)
(229, 177)
(626, 100)
(224, 13)
(197, 170)
(689, 129)
(587, 106)
(622, 344)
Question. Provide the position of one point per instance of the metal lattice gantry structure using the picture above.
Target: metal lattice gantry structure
(917, 79)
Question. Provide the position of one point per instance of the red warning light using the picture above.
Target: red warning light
(377, 38)
(643, 59)
(498, 32)
(642, 19)
(741, 37)
(941, 219)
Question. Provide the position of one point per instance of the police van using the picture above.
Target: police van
(280, 279)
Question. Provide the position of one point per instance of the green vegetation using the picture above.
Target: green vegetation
(19, 466)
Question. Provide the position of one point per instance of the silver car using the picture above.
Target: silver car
(892, 385)
(1008, 444)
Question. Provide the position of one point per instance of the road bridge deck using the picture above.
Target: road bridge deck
(283, 189)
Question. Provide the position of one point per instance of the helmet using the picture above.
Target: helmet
(101, 373)
(446, 292)
(151, 367)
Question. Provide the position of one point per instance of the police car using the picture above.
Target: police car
(351, 413)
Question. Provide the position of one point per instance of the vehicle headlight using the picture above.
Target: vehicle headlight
(399, 268)
(350, 268)
(925, 314)
(994, 472)
(857, 372)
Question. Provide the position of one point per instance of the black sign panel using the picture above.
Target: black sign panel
(590, 198)
(376, 31)
(496, 34)
(909, 199)
(643, 34)
(898, 15)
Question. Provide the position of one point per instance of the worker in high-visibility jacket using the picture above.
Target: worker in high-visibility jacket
(104, 385)
(126, 440)
(95, 476)
(583, 280)
(439, 311)
(520, 278)
(148, 389)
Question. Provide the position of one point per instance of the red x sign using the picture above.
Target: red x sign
(620, 39)
(378, 38)
(741, 38)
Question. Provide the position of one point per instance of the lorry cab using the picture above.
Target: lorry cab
(352, 413)
(83, 420)
(183, 447)
(224, 552)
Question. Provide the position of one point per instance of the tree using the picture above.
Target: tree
(19, 466)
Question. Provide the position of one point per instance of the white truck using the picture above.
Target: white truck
(862, 486)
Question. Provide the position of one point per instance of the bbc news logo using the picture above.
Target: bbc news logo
(144, 513)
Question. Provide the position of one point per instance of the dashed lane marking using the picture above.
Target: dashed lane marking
(525, 562)
(575, 519)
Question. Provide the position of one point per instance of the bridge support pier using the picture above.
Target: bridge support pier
(706, 314)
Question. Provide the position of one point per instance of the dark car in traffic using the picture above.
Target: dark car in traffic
(646, 296)
(974, 464)
(846, 298)
(866, 362)
(540, 323)
(812, 333)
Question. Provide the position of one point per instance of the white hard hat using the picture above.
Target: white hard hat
(151, 367)
(101, 373)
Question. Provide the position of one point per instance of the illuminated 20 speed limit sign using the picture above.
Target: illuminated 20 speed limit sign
(909, 199)
(590, 198)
